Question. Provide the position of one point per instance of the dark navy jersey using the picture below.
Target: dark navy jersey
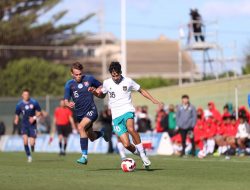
(78, 91)
(27, 109)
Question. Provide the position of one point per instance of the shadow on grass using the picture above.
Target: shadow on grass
(49, 160)
(136, 170)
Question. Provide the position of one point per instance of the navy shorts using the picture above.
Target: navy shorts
(30, 131)
(92, 114)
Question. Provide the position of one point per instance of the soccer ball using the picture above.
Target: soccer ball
(128, 165)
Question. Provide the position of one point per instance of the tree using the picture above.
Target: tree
(40, 76)
(19, 26)
(246, 68)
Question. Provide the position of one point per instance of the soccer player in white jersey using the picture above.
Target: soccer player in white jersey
(119, 89)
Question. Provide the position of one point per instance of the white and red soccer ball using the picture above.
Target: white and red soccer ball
(128, 165)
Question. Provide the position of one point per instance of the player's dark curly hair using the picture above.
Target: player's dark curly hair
(76, 65)
(115, 67)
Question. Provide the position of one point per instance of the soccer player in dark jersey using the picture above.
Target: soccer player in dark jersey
(30, 109)
(81, 89)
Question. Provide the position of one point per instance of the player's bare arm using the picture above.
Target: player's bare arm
(97, 92)
(71, 120)
(147, 95)
(69, 103)
(34, 118)
(53, 130)
(16, 119)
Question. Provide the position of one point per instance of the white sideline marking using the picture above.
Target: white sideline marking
(205, 160)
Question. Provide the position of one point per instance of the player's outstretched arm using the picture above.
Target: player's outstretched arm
(69, 104)
(97, 92)
(53, 130)
(72, 122)
(147, 95)
(16, 119)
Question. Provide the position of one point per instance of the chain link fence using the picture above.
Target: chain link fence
(48, 103)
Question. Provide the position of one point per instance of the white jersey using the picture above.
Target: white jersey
(243, 131)
(120, 101)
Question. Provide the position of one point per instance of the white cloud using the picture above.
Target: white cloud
(227, 8)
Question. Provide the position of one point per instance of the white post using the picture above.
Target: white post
(236, 102)
(181, 35)
(103, 46)
(123, 38)
(235, 58)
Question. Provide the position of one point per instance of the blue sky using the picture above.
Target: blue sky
(148, 19)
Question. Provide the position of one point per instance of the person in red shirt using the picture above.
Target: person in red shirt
(62, 120)
(230, 132)
(215, 113)
(177, 144)
(220, 138)
(226, 111)
(160, 113)
(199, 132)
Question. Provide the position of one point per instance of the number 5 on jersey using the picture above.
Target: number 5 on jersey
(76, 95)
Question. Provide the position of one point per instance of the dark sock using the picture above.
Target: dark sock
(60, 145)
(84, 145)
(32, 148)
(98, 134)
(27, 150)
(65, 146)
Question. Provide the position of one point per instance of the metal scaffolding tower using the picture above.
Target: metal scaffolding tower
(189, 44)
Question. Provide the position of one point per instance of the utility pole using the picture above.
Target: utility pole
(103, 45)
(123, 38)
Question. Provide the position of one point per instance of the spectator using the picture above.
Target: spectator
(168, 121)
(216, 114)
(186, 120)
(196, 21)
(160, 113)
(199, 130)
(230, 133)
(144, 109)
(171, 120)
(220, 137)
(2, 128)
(244, 113)
(17, 127)
(138, 111)
(243, 134)
(226, 111)
(177, 145)
(43, 124)
(210, 131)
(106, 122)
(144, 123)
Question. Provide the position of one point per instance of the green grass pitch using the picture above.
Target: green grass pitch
(49, 171)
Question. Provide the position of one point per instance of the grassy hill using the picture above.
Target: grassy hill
(219, 91)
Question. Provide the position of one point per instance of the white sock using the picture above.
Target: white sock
(220, 150)
(205, 148)
(85, 156)
(140, 149)
(211, 144)
(121, 150)
(224, 149)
